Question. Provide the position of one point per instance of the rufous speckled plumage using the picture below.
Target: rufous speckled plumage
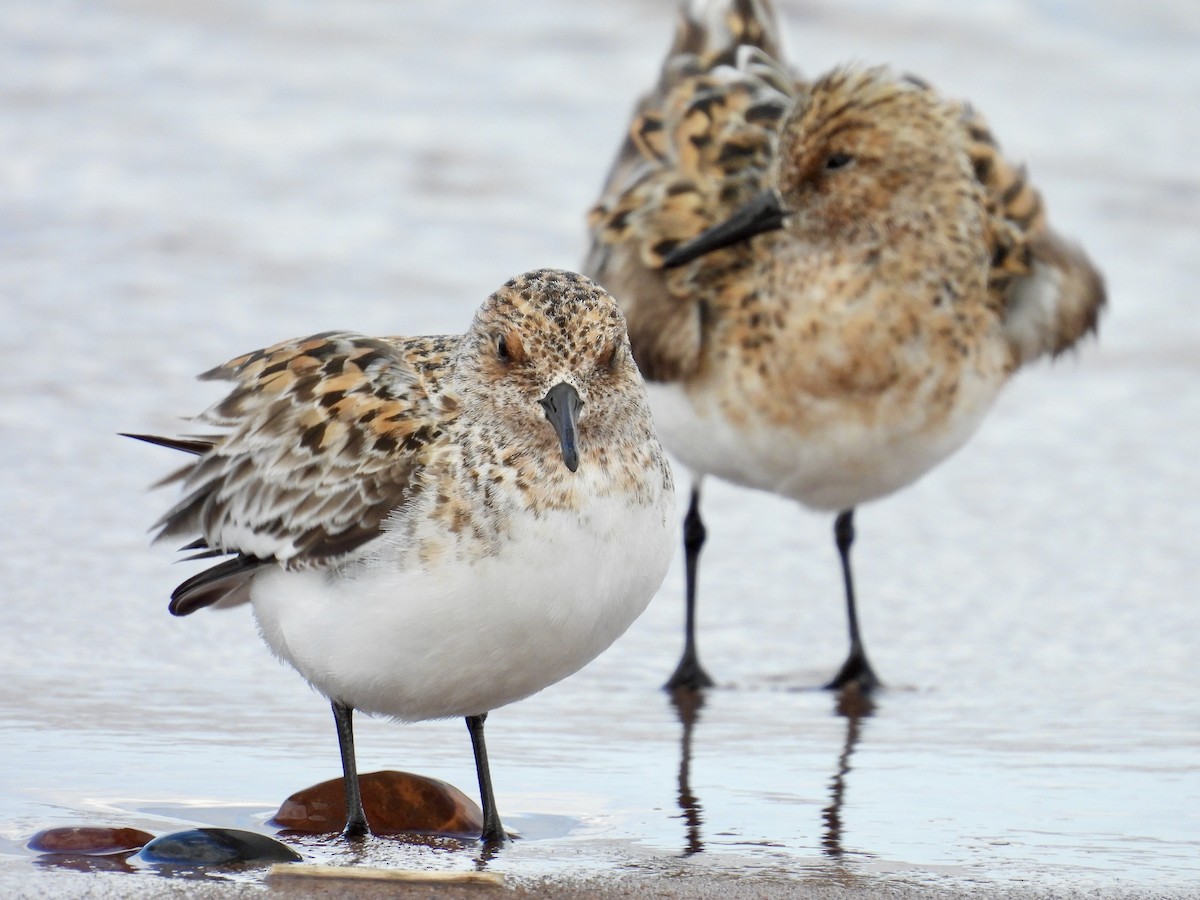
(439, 526)
(827, 282)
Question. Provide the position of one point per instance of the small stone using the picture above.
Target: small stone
(216, 846)
(395, 803)
(89, 840)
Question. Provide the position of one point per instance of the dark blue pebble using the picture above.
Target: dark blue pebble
(214, 847)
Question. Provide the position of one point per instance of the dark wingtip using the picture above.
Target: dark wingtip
(212, 585)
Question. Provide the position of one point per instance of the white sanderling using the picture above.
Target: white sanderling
(436, 526)
(904, 272)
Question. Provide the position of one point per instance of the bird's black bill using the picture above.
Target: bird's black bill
(762, 213)
(562, 405)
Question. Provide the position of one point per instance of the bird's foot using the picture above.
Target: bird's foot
(689, 675)
(856, 672)
(495, 839)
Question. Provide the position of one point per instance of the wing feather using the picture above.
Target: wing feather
(699, 145)
(320, 440)
(1048, 292)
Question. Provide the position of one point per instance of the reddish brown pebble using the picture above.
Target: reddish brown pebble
(395, 802)
(89, 841)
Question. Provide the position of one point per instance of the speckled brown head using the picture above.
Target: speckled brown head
(548, 354)
(861, 154)
(864, 149)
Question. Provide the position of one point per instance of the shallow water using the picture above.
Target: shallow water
(184, 182)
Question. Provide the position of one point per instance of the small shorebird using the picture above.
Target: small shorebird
(435, 526)
(902, 271)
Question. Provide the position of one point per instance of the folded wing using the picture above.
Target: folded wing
(1048, 293)
(319, 442)
(699, 145)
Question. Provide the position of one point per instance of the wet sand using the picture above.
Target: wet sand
(658, 886)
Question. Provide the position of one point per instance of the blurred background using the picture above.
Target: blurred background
(181, 182)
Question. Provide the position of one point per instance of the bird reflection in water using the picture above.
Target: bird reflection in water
(855, 705)
(687, 706)
(488, 852)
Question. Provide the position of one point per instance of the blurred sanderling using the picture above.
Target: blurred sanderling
(905, 271)
(436, 526)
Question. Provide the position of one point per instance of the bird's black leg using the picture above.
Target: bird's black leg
(493, 830)
(689, 674)
(356, 818)
(856, 668)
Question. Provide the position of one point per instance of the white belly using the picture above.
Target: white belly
(835, 466)
(464, 639)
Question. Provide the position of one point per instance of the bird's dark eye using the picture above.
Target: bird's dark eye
(608, 357)
(838, 161)
(509, 349)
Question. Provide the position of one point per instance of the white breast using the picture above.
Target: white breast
(463, 639)
(836, 466)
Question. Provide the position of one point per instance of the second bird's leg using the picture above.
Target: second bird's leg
(356, 818)
(689, 674)
(856, 668)
(493, 830)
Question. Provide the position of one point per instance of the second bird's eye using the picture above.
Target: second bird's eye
(502, 350)
(838, 160)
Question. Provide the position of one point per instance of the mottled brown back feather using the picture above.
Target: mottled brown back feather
(700, 143)
(365, 420)
(1027, 256)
